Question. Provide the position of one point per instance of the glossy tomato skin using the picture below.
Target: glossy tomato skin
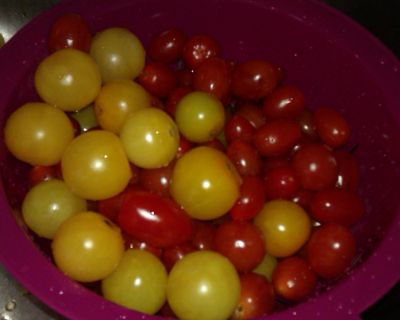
(331, 250)
(337, 205)
(212, 76)
(239, 128)
(158, 79)
(287, 101)
(167, 46)
(238, 239)
(315, 166)
(39, 174)
(69, 31)
(174, 97)
(293, 279)
(307, 125)
(251, 199)
(173, 254)
(277, 138)
(245, 158)
(331, 126)
(156, 180)
(281, 183)
(253, 79)
(154, 219)
(199, 48)
(348, 170)
(204, 236)
(132, 243)
(257, 297)
(252, 113)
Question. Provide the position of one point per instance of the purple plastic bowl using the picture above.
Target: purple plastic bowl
(335, 62)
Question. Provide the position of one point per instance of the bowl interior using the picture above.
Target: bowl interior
(333, 60)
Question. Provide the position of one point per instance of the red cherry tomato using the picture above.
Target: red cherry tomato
(203, 236)
(158, 79)
(199, 48)
(253, 79)
(303, 198)
(307, 125)
(251, 199)
(184, 146)
(132, 243)
(167, 46)
(173, 254)
(331, 250)
(174, 97)
(242, 243)
(287, 101)
(315, 166)
(348, 170)
(184, 78)
(215, 143)
(38, 174)
(337, 205)
(281, 183)
(212, 76)
(245, 158)
(257, 297)
(277, 138)
(156, 180)
(238, 127)
(271, 163)
(154, 219)
(252, 113)
(69, 31)
(293, 279)
(331, 127)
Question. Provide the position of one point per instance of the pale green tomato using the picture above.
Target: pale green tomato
(266, 266)
(200, 116)
(95, 166)
(117, 100)
(119, 54)
(139, 282)
(38, 134)
(48, 204)
(87, 247)
(150, 138)
(68, 79)
(285, 225)
(205, 183)
(86, 118)
(203, 285)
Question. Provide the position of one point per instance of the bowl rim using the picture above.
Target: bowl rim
(366, 284)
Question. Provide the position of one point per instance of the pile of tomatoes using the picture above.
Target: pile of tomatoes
(186, 184)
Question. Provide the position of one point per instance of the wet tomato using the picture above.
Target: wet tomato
(293, 279)
(69, 31)
(331, 250)
(167, 46)
(257, 297)
(199, 48)
(154, 219)
(238, 239)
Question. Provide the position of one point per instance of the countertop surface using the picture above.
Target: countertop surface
(379, 17)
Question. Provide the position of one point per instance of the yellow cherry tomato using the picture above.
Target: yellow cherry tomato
(139, 282)
(150, 138)
(205, 183)
(285, 225)
(200, 116)
(48, 204)
(68, 79)
(119, 54)
(203, 285)
(266, 266)
(95, 166)
(87, 247)
(117, 100)
(38, 133)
